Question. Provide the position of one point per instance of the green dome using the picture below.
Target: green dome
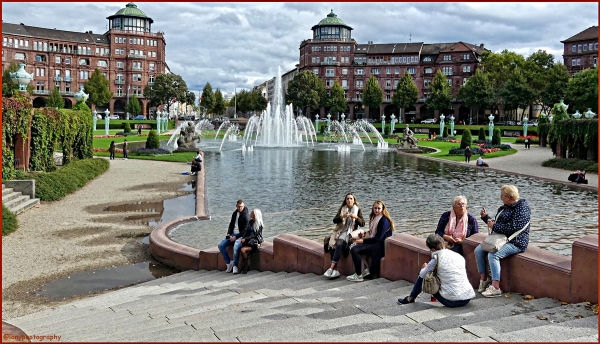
(332, 19)
(131, 10)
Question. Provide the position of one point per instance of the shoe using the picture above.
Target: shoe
(235, 270)
(229, 267)
(335, 274)
(354, 278)
(366, 273)
(483, 285)
(328, 273)
(405, 301)
(492, 292)
(193, 173)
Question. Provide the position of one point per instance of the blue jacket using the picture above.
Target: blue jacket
(472, 225)
(511, 220)
(382, 232)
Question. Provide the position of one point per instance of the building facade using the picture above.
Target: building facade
(581, 51)
(129, 55)
(334, 55)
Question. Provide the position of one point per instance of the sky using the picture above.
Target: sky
(240, 45)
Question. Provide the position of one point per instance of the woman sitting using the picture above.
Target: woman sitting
(197, 163)
(252, 239)
(456, 225)
(381, 226)
(455, 289)
(513, 216)
(348, 218)
(578, 177)
(481, 163)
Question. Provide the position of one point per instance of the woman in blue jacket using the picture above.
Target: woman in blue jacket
(381, 226)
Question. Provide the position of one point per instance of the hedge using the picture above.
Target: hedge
(9, 221)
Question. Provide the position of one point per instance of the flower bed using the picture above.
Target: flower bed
(532, 139)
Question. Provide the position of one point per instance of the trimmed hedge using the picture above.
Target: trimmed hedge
(572, 164)
(53, 186)
(9, 221)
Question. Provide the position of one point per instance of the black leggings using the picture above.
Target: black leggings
(375, 251)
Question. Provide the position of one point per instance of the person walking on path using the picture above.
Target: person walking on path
(111, 150)
(468, 154)
(125, 149)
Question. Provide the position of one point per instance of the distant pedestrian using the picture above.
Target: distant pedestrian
(111, 150)
(429, 135)
(125, 149)
(527, 143)
(139, 128)
(468, 154)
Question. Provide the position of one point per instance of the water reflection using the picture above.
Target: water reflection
(299, 190)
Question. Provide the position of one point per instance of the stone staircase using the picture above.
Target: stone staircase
(16, 202)
(266, 306)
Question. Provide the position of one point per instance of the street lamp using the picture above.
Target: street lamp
(442, 117)
(21, 78)
(525, 119)
(316, 122)
(491, 126)
(383, 124)
(106, 121)
(452, 125)
(328, 123)
(95, 114)
(158, 122)
(343, 121)
(393, 123)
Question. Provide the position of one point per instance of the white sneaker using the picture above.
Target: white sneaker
(229, 267)
(366, 273)
(235, 270)
(483, 285)
(492, 292)
(335, 274)
(328, 273)
(354, 278)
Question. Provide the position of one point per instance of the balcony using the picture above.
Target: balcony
(67, 93)
(117, 94)
(345, 87)
(68, 78)
(388, 87)
(120, 82)
(41, 91)
(421, 100)
(58, 78)
(137, 68)
(150, 83)
(142, 33)
(330, 63)
(137, 56)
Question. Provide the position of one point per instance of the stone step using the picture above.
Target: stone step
(16, 200)
(6, 191)
(26, 205)
(563, 331)
(9, 195)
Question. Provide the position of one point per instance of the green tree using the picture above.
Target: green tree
(190, 99)
(133, 107)
(167, 89)
(55, 100)
(481, 136)
(152, 142)
(496, 138)
(466, 139)
(219, 104)
(516, 92)
(440, 93)
(98, 89)
(373, 96)
(259, 103)
(477, 92)
(406, 94)
(208, 98)
(306, 90)
(582, 90)
(9, 87)
(126, 127)
(498, 66)
(336, 101)
(555, 86)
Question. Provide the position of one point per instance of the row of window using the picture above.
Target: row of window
(392, 59)
(447, 70)
(136, 40)
(579, 47)
(388, 83)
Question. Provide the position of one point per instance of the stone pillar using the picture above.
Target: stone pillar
(351, 113)
(584, 270)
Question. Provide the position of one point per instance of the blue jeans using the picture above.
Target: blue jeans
(236, 249)
(418, 287)
(494, 258)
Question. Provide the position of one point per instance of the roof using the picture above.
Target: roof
(60, 35)
(130, 10)
(587, 34)
(331, 19)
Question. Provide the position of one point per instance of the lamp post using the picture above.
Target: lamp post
(393, 123)
(343, 121)
(590, 114)
(80, 95)
(383, 124)
(317, 123)
(328, 123)
(491, 126)
(95, 114)
(525, 119)
(442, 117)
(21, 78)
(106, 121)
(577, 115)
(451, 118)
(158, 122)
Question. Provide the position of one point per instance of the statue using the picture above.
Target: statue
(408, 137)
(186, 141)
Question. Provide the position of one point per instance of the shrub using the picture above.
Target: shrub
(496, 137)
(152, 141)
(445, 131)
(466, 139)
(572, 164)
(127, 127)
(149, 152)
(9, 221)
(481, 136)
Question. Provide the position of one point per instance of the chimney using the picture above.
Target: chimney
(482, 46)
(91, 32)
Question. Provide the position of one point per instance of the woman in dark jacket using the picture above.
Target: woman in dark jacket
(456, 225)
(111, 150)
(252, 238)
(381, 226)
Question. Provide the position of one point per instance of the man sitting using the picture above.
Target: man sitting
(481, 163)
(197, 163)
(578, 177)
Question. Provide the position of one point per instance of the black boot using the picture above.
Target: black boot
(246, 265)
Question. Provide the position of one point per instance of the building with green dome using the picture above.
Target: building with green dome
(129, 55)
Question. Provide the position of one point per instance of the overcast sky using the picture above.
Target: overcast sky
(242, 44)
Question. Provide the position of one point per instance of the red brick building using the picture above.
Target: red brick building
(129, 55)
(333, 55)
(581, 50)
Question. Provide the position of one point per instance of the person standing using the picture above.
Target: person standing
(527, 143)
(236, 231)
(125, 149)
(111, 150)
(468, 154)
(139, 128)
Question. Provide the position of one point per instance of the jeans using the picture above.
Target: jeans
(494, 258)
(236, 249)
(336, 253)
(368, 250)
(125, 153)
(418, 287)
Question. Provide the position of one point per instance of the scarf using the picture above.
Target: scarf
(373, 225)
(342, 230)
(458, 230)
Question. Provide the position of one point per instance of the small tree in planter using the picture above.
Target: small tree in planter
(152, 141)
(466, 139)
(481, 136)
(496, 138)
(127, 128)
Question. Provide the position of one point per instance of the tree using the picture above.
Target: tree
(9, 87)
(440, 93)
(496, 137)
(126, 127)
(247, 101)
(306, 90)
(481, 136)
(167, 89)
(133, 106)
(555, 86)
(336, 101)
(208, 98)
(406, 94)
(152, 142)
(218, 104)
(55, 100)
(497, 66)
(583, 90)
(190, 99)
(477, 92)
(466, 139)
(98, 89)
(373, 96)
(516, 93)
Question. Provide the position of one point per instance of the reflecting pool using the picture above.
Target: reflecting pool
(300, 189)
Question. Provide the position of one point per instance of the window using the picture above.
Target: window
(579, 61)
(67, 60)
(359, 83)
(447, 57)
(40, 71)
(388, 97)
(136, 77)
(21, 56)
(595, 46)
(137, 90)
(397, 70)
(591, 46)
(68, 87)
(329, 59)
(40, 85)
(151, 66)
(374, 70)
(359, 71)
(38, 58)
(465, 81)
(585, 47)
(466, 57)
(57, 73)
(57, 84)
(396, 81)
(345, 59)
(57, 59)
(119, 64)
(316, 48)
(151, 78)
(119, 90)
(426, 82)
(67, 74)
(84, 75)
(120, 77)
(344, 71)
(447, 70)
(388, 70)
(411, 70)
(574, 48)
(595, 61)
(102, 63)
(579, 47)
(449, 82)
(116, 39)
(428, 70)
(466, 69)
(84, 62)
(574, 62)
(344, 84)
(316, 59)
(137, 65)
(329, 83)
(427, 59)
(316, 71)
(388, 83)
(329, 72)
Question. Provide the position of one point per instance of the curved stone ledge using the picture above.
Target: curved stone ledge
(171, 253)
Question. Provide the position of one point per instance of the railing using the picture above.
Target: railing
(388, 87)
(58, 78)
(151, 83)
(136, 32)
(117, 94)
(67, 93)
(41, 91)
(345, 87)
(137, 56)
(136, 68)
(119, 82)
(330, 63)
(421, 100)
(68, 79)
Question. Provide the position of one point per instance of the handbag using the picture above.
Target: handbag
(358, 234)
(495, 241)
(431, 282)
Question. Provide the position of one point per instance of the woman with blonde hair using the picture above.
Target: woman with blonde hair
(381, 226)
(252, 238)
(456, 225)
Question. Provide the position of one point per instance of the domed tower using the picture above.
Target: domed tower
(332, 28)
(130, 18)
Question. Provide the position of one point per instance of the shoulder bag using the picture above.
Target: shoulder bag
(431, 282)
(495, 241)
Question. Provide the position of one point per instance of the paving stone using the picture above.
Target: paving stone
(583, 327)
